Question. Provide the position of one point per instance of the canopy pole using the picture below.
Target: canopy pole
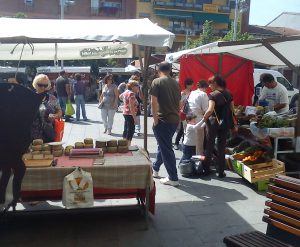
(145, 88)
(297, 71)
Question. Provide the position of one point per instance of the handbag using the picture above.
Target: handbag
(59, 126)
(69, 109)
(228, 121)
(185, 109)
(48, 132)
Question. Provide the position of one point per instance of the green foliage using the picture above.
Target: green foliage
(20, 15)
(239, 34)
(205, 37)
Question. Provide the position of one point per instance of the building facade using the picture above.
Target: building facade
(185, 18)
(76, 9)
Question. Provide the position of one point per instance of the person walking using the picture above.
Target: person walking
(198, 104)
(219, 119)
(108, 103)
(63, 91)
(79, 94)
(188, 85)
(165, 98)
(129, 109)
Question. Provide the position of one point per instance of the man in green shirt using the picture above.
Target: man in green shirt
(165, 98)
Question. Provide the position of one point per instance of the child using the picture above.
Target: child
(189, 143)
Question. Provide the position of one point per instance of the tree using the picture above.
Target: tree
(20, 15)
(239, 34)
(207, 36)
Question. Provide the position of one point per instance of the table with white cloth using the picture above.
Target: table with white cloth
(121, 176)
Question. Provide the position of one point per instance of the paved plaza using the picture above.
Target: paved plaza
(200, 212)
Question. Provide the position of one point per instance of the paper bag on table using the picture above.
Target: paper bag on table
(78, 189)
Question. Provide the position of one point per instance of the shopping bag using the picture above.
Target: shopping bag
(59, 126)
(69, 109)
(78, 189)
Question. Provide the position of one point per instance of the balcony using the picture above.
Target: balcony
(175, 5)
(110, 9)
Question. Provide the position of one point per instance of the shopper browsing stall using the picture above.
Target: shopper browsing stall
(129, 109)
(274, 93)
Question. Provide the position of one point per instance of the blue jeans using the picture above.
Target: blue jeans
(188, 152)
(62, 102)
(163, 133)
(80, 102)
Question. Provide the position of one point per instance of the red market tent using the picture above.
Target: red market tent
(237, 72)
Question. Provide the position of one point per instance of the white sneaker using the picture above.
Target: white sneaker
(155, 174)
(167, 181)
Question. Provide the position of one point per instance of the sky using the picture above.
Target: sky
(264, 11)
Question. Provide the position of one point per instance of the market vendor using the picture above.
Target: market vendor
(275, 93)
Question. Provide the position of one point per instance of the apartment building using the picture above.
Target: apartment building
(75, 9)
(185, 18)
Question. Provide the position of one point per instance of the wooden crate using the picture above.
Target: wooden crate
(263, 171)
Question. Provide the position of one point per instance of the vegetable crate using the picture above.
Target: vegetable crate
(263, 171)
(238, 167)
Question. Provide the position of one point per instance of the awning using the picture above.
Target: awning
(173, 13)
(217, 18)
(254, 50)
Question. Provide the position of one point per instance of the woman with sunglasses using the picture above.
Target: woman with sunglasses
(219, 120)
(108, 103)
(43, 126)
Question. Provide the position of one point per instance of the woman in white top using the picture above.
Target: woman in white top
(198, 104)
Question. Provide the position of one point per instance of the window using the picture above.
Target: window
(285, 83)
(145, 1)
(28, 2)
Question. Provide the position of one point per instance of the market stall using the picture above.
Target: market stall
(254, 150)
(18, 40)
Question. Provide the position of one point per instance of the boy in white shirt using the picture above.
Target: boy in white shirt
(190, 138)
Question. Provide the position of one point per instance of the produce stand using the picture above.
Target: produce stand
(120, 176)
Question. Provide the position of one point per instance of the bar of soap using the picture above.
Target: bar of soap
(88, 141)
(37, 142)
(56, 147)
(88, 145)
(48, 156)
(79, 145)
(100, 144)
(57, 153)
(46, 147)
(122, 149)
(36, 148)
(37, 156)
(36, 152)
(112, 149)
(112, 143)
(123, 142)
(46, 152)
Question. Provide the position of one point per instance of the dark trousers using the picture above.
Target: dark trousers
(165, 154)
(18, 168)
(179, 134)
(213, 132)
(188, 152)
(128, 127)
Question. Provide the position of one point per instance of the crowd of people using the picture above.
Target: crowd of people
(209, 117)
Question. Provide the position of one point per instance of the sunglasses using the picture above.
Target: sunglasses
(42, 85)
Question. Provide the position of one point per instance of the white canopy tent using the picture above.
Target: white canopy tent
(30, 32)
(66, 51)
(255, 50)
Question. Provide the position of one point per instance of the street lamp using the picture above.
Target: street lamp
(240, 7)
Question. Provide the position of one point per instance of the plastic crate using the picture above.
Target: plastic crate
(262, 185)
(237, 167)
